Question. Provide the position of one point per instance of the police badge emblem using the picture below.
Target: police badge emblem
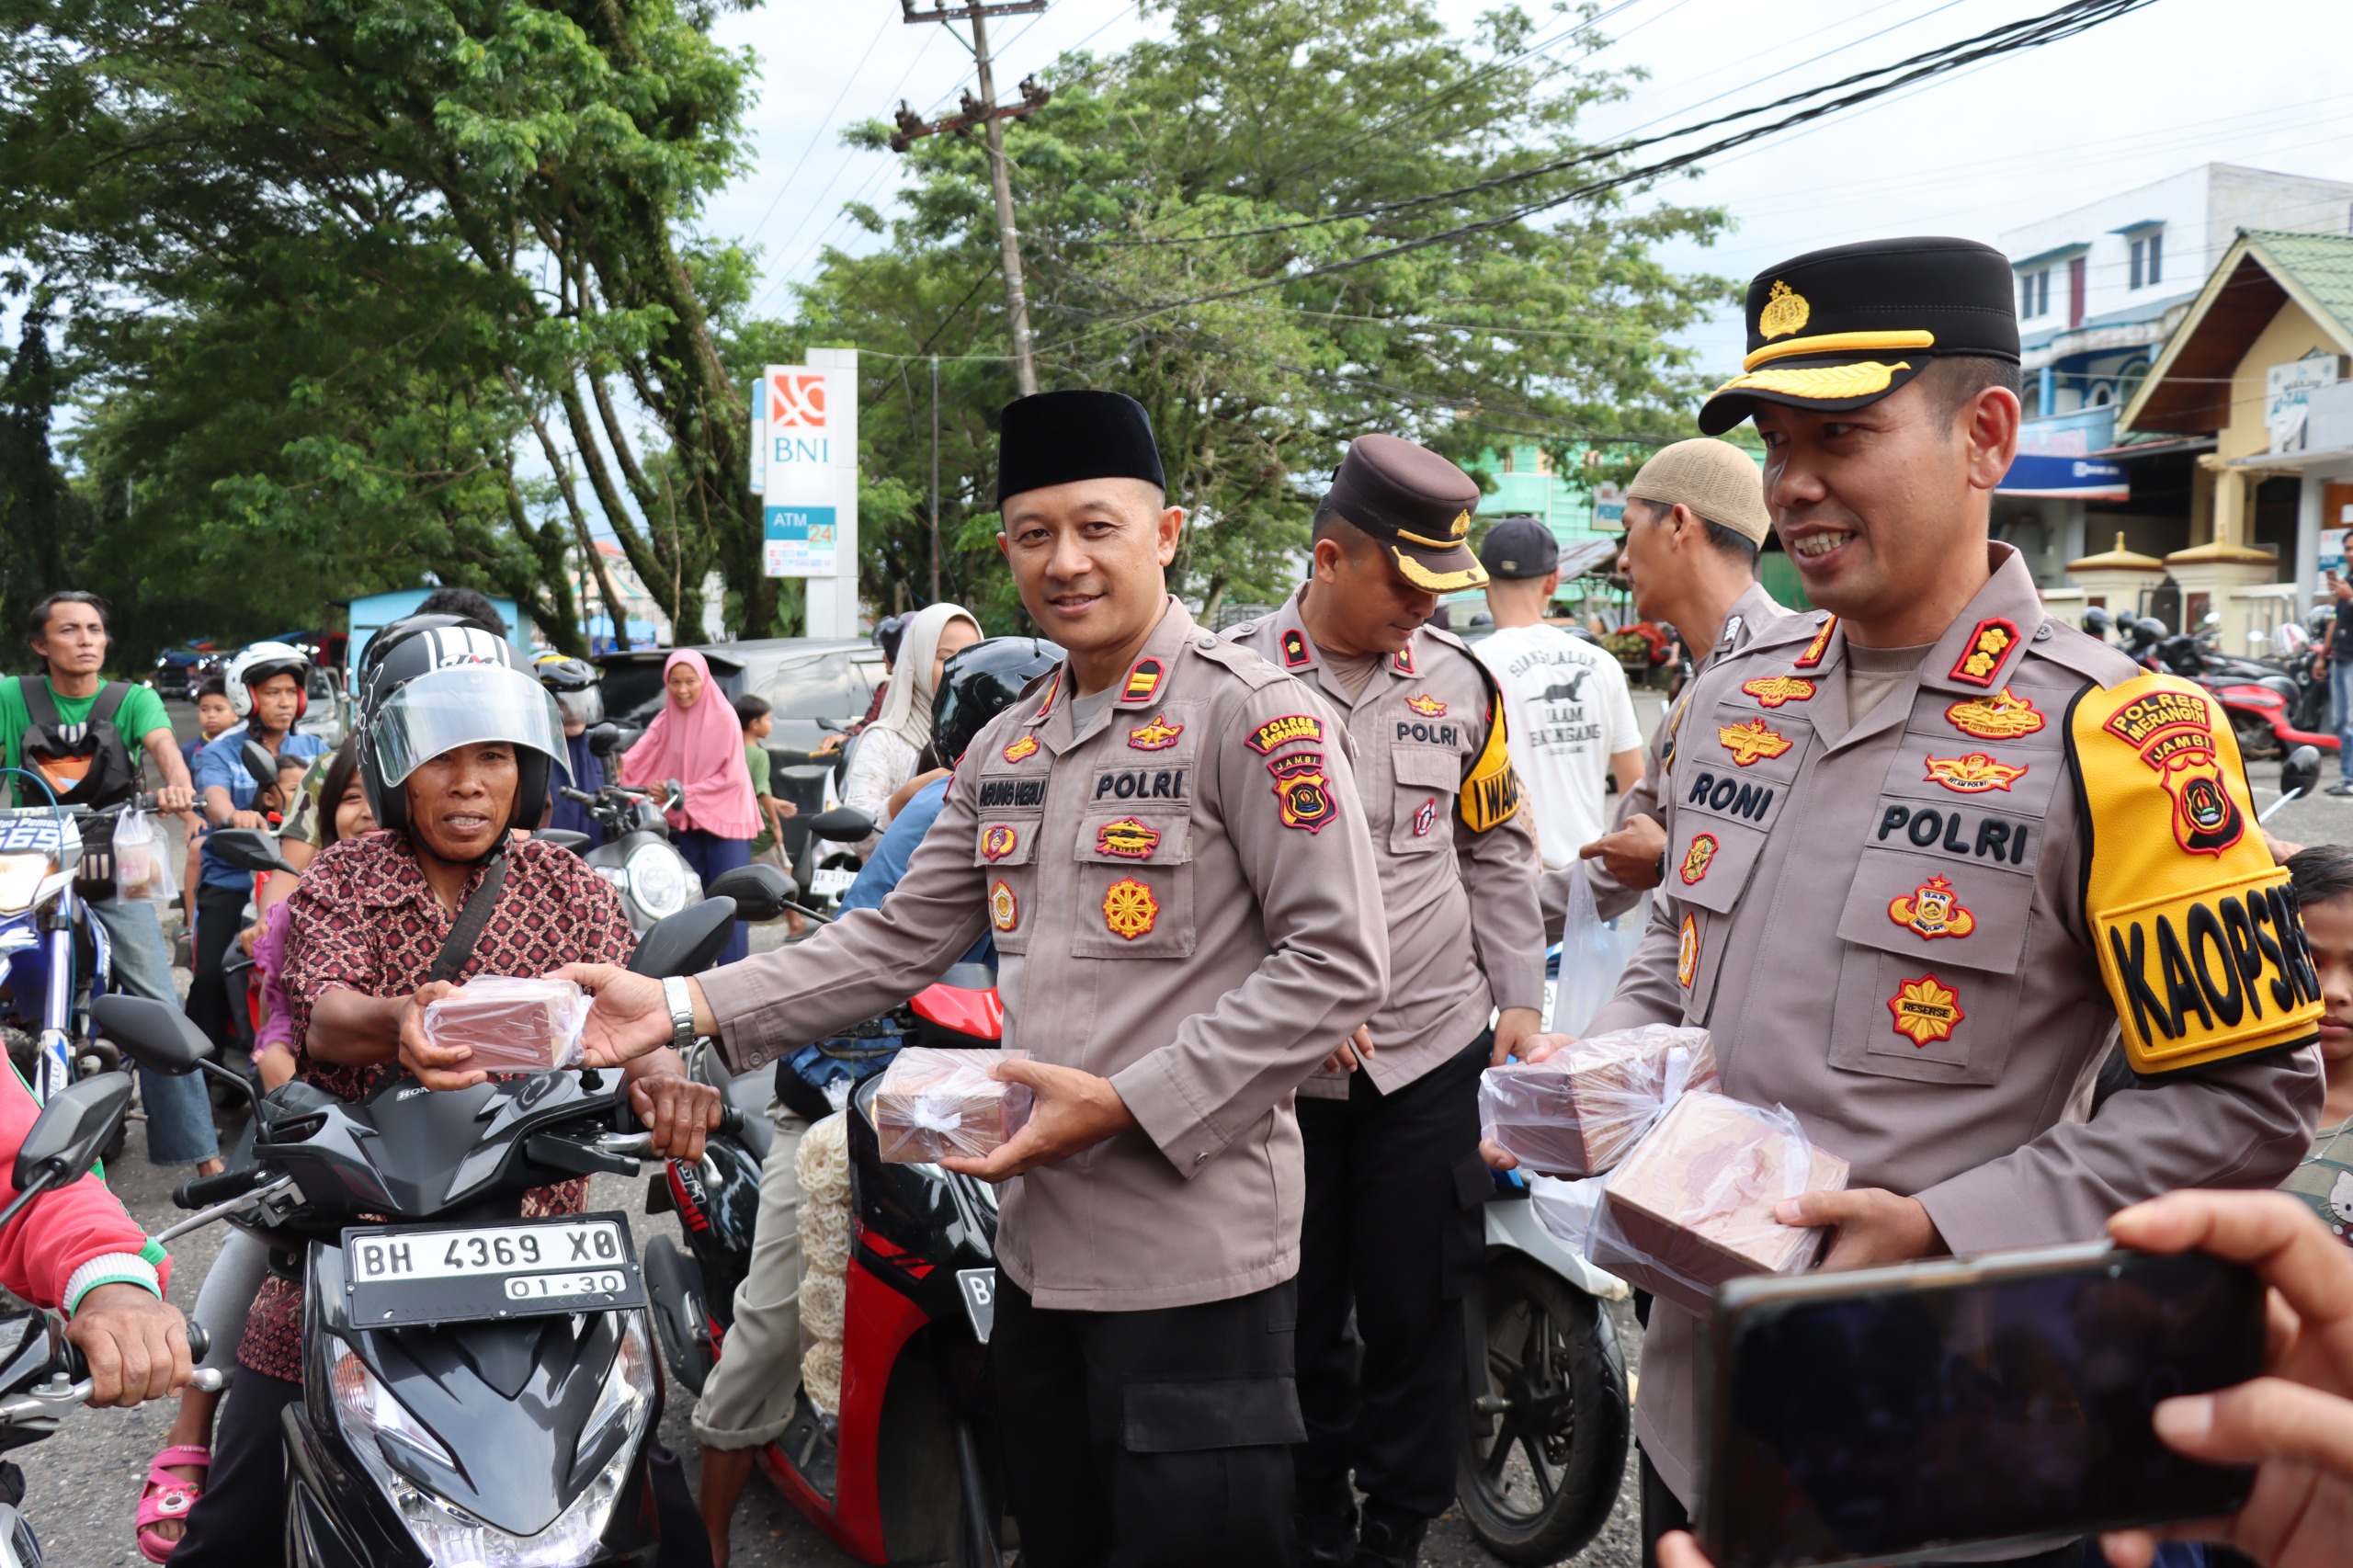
(1697, 860)
(997, 841)
(1027, 746)
(1771, 691)
(1158, 735)
(1752, 742)
(1926, 1010)
(1687, 952)
(2174, 732)
(1973, 774)
(1428, 706)
(1128, 909)
(1300, 790)
(1932, 910)
(1004, 911)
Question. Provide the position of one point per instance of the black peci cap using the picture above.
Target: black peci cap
(1519, 547)
(1838, 328)
(1417, 504)
(1058, 437)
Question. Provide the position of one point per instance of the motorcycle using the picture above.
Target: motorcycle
(822, 867)
(2273, 708)
(637, 856)
(42, 1376)
(479, 1387)
(905, 1470)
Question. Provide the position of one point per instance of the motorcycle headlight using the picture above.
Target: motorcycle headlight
(658, 877)
(447, 1535)
(627, 1400)
(20, 880)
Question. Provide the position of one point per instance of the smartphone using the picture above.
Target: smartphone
(1893, 1415)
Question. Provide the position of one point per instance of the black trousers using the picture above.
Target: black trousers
(1395, 1205)
(240, 1522)
(1663, 1512)
(1148, 1439)
(220, 916)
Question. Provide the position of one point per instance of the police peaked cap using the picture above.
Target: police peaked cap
(1060, 438)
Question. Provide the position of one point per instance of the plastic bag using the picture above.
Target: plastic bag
(1692, 1206)
(1567, 1207)
(1594, 954)
(933, 1104)
(511, 1025)
(1579, 1111)
(142, 859)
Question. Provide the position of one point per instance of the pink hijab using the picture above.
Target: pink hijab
(702, 747)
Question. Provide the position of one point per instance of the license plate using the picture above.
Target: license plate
(394, 1275)
(831, 882)
(979, 1288)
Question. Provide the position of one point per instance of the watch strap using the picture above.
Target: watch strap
(682, 1011)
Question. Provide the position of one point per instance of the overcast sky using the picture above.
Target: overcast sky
(2180, 82)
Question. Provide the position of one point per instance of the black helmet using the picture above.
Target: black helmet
(574, 683)
(388, 637)
(432, 688)
(979, 683)
(887, 632)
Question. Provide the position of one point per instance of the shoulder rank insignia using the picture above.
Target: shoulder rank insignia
(1819, 646)
(1053, 689)
(1158, 735)
(1932, 910)
(997, 841)
(1004, 911)
(1490, 795)
(1027, 746)
(1301, 791)
(1687, 950)
(1771, 691)
(1699, 857)
(1294, 648)
(1973, 774)
(1425, 817)
(1127, 838)
(1992, 638)
(1752, 742)
(1403, 660)
(1428, 706)
(1289, 727)
(2001, 717)
(2194, 926)
(1144, 680)
(1128, 909)
(1926, 1010)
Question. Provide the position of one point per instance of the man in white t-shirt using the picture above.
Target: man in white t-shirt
(1571, 719)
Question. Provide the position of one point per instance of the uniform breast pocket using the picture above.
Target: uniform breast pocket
(1424, 805)
(1135, 885)
(1933, 1007)
(1006, 849)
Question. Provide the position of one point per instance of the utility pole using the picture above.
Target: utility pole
(934, 478)
(985, 112)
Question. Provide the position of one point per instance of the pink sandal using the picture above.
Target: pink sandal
(167, 1498)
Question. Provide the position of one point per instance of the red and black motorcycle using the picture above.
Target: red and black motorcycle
(905, 1470)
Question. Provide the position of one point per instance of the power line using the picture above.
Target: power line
(823, 123)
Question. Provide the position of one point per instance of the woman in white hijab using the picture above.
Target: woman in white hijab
(891, 746)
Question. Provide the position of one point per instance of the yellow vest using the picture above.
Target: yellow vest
(2197, 930)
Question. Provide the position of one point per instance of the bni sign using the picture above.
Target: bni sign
(794, 469)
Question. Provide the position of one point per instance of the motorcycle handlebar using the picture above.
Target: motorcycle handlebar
(577, 796)
(202, 1192)
(731, 1120)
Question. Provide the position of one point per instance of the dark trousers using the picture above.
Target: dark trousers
(220, 916)
(240, 1522)
(710, 854)
(1148, 1439)
(1663, 1512)
(1395, 1196)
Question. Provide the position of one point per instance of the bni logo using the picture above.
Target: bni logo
(797, 398)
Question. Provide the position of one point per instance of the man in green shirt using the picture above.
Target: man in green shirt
(67, 631)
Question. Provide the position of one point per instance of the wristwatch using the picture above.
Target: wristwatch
(1660, 871)
(682, 1011)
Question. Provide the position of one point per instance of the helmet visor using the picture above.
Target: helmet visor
(469, 705)
(584, 707)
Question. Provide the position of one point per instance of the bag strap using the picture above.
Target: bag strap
(472, 918)
(111, 696)
(38, 705)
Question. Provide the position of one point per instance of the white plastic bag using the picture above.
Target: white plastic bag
(1577, 1112)
(142, 859)
(1594, 955)
(511, 1025)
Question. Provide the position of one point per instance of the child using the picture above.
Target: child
(758, 720)
(2322, 878)
(213, 717)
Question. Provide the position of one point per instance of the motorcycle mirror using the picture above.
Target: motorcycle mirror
(759, 890)
(563, 838)
(843, 824)
(261, 766)
(247, 848)
(605, 738)
(687, 942)
(2301, 772)
(156, 1035)
(72, 1128)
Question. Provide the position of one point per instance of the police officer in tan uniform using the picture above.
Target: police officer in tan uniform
(1929, 857)
(1695, 520)
(1396, 1188)
(1164, 840)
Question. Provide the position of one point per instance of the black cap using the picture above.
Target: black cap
(1058, 437)
(1838, 328)
(1519, 547)
(1417, 504)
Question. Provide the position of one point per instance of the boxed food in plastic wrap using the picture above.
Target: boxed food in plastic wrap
(1692, 1206)
(1579, 1111)
(511, 1025)
(934, 1104)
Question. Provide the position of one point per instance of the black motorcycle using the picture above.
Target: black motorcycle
(478, 1387)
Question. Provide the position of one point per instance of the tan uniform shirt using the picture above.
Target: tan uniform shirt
(1753, 614)
(1464, 935)
(1881, 922)
(1183, 898)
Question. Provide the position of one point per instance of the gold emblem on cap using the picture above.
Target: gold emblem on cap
(1462, 523)
(1785, 311)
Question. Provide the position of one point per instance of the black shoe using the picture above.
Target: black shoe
(2342, 787)
(1388, 1538)
(1325, 1518)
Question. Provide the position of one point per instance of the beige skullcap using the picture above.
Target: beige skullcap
(1713, 478)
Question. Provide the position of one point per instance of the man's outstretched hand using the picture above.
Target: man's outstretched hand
(630, 1016)
(1074, 1112)
(136, 1345)
(1631, 851)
